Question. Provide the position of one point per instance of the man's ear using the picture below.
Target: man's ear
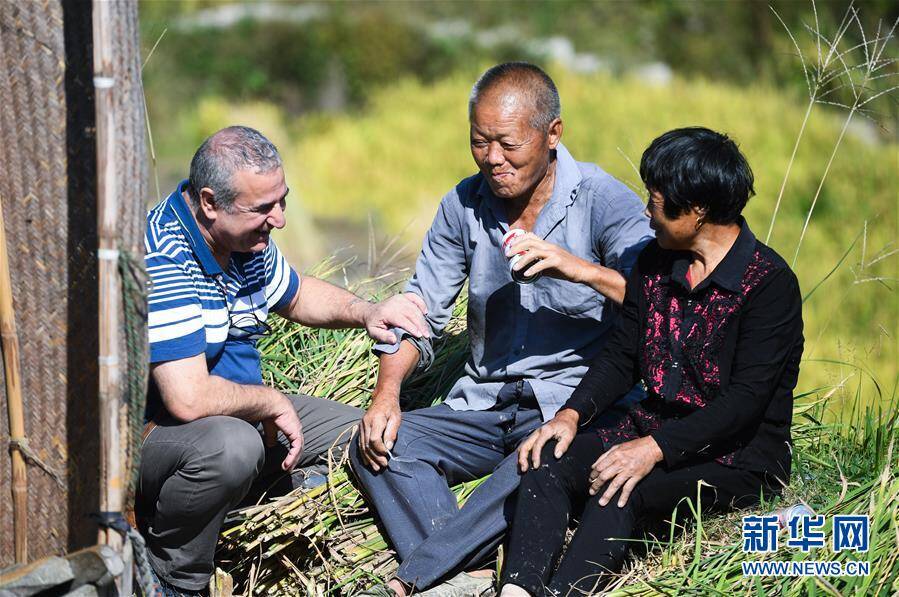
(208, 206)
(554, 133)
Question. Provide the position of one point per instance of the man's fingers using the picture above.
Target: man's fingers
(417, 301)
(415, 325)
(529, 258)
(603, 462)
(382, 335)
(293, 455)
(609, 472)
(363, 434)
(538, 267)
(601, 475)
(605, 456)
(564, 440)
(527, 242)
(371, 460)
(390, 431)
(375, 438)
(289, 424)
(405, 311)
(363, 454)
(425, 328)
(377, 433)
(376, 462)
(520, 244)
(411, 318)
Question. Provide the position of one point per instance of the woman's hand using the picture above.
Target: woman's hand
(562, 428)
(622, 467)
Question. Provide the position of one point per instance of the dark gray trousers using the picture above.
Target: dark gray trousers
(193, 473)
(436, 448)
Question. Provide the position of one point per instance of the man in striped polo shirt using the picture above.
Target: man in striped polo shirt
(214, 428)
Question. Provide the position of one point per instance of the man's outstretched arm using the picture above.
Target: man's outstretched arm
(323, 305)
(189, 392)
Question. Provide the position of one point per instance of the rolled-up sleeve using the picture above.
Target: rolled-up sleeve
(620, 226)
(440, 272)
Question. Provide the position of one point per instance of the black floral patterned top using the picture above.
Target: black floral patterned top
(719, 362)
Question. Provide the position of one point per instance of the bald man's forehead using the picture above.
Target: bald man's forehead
(508, 99)
(507, 93)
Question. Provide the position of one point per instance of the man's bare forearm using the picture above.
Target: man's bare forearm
(248, 402)
(189, 392)
(394, 368)
(323, 305)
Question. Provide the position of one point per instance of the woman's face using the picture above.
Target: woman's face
(674, 234)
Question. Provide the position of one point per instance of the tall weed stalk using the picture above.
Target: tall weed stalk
(859, 70)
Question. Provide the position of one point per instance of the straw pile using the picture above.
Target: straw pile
(325, 540)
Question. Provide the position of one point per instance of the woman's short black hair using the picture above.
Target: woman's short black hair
(697, 167)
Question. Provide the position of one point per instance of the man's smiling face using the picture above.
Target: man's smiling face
(257, 209)
(512, 155)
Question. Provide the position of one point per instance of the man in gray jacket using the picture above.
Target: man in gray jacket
(530, 342)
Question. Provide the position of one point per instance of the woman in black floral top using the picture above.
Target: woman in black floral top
(712, 326)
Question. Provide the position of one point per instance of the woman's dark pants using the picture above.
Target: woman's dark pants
(549, 497)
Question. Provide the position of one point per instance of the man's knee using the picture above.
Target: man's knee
(234, 449)
(327, 427)
(422, 424)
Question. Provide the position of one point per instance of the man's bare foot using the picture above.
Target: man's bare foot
(398, 587)
(481, 573)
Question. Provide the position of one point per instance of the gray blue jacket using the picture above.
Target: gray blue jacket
(547, 332)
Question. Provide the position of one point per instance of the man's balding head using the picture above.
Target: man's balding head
(222, 155)
(516, 82)
(514, 128)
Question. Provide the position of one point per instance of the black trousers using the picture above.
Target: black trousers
(549, 497)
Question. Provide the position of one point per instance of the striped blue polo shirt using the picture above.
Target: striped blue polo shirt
(196, 307)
